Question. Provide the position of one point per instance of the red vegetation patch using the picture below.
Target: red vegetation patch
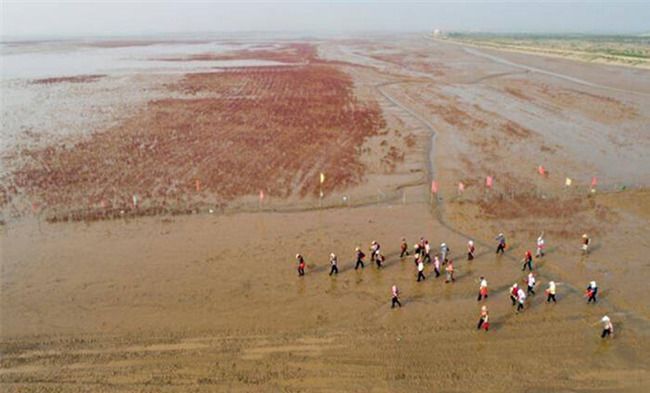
(68, 79)
(271, 129)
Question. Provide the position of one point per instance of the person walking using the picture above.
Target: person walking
(540, 246)
(550, 292)
(586, 241)
(521, 299)
(527, 261)
(334, 269)
(483, 319)
(421, 270)
(360, 255)
(592, 292)
(427, 252)
(436, 266)
(403, 248)
(608, 327)
(450, 272)
(531, 284)
(470, 250)
(374, 247)
(417, 250)
(514, 291)
(482, 289)
(395, 299)
(444, 252)
(379, 259)
(301, 265)
(501, 243)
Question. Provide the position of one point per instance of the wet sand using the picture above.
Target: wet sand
(212, 302)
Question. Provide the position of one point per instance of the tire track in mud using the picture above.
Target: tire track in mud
(438, 214)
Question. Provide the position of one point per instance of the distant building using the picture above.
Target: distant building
(436, 32)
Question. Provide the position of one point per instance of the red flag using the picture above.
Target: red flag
(594, 182)
(434, 187)
(197, 184)
(541, 170)
(461, 187)
(489, 181)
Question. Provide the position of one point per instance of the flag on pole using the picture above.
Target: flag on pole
(461, 187)
(434, 187)
(594, 182)
(489, 181)
(322, 178)
(197, 185)
(568, 182)
(541, 170)
(135, 200)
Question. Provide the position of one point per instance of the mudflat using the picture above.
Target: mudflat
(148, 236)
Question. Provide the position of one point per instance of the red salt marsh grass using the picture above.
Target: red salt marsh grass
(237, 132)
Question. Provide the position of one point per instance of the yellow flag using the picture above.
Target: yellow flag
(322, 178)
(568, 182)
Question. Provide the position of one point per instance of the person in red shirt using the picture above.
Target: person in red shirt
(513, 293)
(301, 265)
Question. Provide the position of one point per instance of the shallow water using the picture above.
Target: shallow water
(45, 60)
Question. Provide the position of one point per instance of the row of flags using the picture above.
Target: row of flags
(489, 182)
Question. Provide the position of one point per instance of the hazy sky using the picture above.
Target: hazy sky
(51, 18)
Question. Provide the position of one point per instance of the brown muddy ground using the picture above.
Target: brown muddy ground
(212, 302)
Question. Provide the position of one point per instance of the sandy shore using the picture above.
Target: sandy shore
(212, 302)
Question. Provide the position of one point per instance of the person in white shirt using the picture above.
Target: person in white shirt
(395, 300)
(374, 247)
(531, 284)
(470, 250)
(334, 262)
(444, 252)
(379, 258)
(586, 241)
(550, 292)
(540, 246)
(482, 289)
(608, 328)
(421, 270)
(427, 252)
(436, 265)
(521, 298)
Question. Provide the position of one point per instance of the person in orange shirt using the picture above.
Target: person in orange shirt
(482, 289)
(450, 272)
